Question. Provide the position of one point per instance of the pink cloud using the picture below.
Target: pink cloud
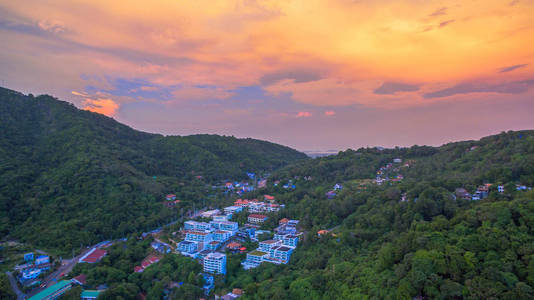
(303, 114)
(329, 113)
(106, 107)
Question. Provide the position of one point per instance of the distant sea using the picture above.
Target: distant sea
(315, 154)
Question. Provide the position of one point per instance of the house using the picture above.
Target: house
(209, 283)
(80, 279)
(338, 187)
(187, 246)
(198, 236)
(241, 202)
(196, 226)
(210, 213)
(225, 225)
(256, 219)
(397, 160)
(462, 193)
(233, 209)
(282, 253)
(221, 235)
(268, 198)
(215, 263)
(267, 245)
(93, 256)
(170, 197)
(235, 247)
(262, 183)
(42, 259)
(147, 262)
(500, 188)
(28, 256)
(53, 292)
(290, 240)
(89, 294)
(283, 221)
(29, 274)
(161, 248)
(219, 218)
(322, 232)
(236, 293)
(254, 259)
(213, 245)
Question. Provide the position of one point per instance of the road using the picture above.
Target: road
(15, 287)
(64, 269)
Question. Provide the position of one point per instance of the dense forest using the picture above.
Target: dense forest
(70, 177)
(432, 244)
(67, 175)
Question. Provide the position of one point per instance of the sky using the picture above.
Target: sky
(313, 75)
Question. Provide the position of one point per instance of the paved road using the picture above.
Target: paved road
(64, 269)
(15, 287)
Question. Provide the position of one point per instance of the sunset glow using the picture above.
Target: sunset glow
(302, 73)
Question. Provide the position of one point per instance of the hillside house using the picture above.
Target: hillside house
(256, 219)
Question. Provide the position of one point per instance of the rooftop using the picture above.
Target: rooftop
(51, 290)
(215, 255)
(258, 253)
(284, 249)
(270, 242)
(82, 278)
(90, 294)
(94, 255)
(257, 216)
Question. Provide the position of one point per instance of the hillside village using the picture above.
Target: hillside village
(209, 236)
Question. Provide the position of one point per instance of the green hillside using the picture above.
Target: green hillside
(69, 176)
(433, 244)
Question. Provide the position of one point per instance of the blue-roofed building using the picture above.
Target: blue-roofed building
(28, 256)
(42, 259)
(187, 246)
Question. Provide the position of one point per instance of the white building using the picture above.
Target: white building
(210, 213)
(215, 263)
(232, 209)
(198, 226)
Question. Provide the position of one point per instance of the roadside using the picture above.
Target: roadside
(15, 287)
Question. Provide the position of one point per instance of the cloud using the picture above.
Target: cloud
(389, 88)
(329, 113)
(106, 107)
(296, 75)
(511, 68)
(53, 26)
(445, 23)
(303, 114)
(439, 12)
(79, 94)
(514, 87)
(190, 93)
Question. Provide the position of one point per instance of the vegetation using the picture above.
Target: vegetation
(70, 177)
(5, 288)
(67, 177)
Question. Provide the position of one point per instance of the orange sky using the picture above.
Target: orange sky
(322, 55)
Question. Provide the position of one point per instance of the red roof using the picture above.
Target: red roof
(233, 245)
(257, 216)
(138, 269)
(95, 256)
(269, 197)
(151, 259)
(82, 279)
(283, 221)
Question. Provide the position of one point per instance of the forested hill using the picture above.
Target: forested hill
(416, 234)
(69, 176)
